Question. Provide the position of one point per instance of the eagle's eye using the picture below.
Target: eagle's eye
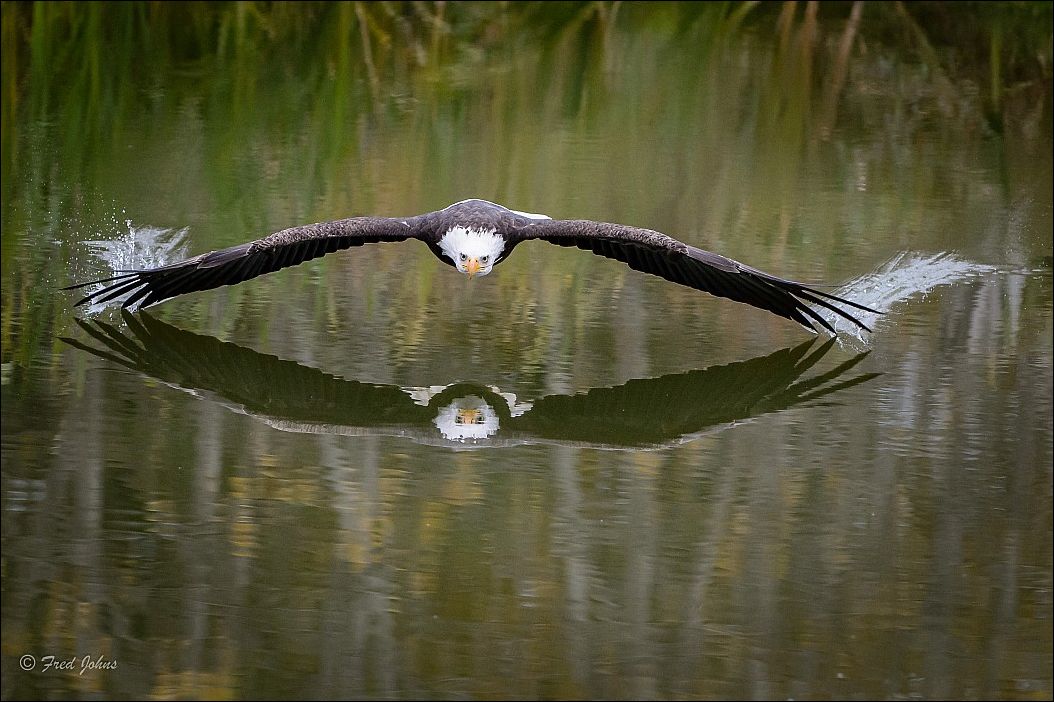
(463, 257)
(484, 259)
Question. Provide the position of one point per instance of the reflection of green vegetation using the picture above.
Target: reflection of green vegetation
(92, 67)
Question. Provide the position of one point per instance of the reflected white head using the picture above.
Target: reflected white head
(468, 417)
(473, 251)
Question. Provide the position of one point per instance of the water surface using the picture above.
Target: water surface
(369, 477)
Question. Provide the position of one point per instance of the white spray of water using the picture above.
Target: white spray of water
(907, 275)
(138, 248)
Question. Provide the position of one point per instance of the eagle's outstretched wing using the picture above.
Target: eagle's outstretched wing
(653, 252)
(288, 247)
(642, 249)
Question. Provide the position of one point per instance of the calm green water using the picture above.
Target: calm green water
(275, 489)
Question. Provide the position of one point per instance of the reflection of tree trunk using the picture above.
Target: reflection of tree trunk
(375, 628)
(85, 475)
(364, 656)
(943, 589)
(560, 326)
(341, 674)
(696, 614)
(205, 555)
(760, 603)
(570, 536)
(367, 54)
(831, 95)
(631, 348)
(785, 23)
(942, 85)
(358, 655)
(807, 46)
(642, 544)
(1003, 612)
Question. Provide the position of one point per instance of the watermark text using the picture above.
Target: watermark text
(77, 664)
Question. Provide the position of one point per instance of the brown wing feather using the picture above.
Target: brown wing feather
(658, 254)
(236, 264)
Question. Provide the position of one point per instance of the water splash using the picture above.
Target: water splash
(139, 247)
(907, 275)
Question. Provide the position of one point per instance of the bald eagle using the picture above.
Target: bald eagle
(474, 236)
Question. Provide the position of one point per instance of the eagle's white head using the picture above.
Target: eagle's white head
(473, 251)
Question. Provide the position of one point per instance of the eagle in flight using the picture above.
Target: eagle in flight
(474, 236)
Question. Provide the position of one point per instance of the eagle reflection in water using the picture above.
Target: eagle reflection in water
(640, 413)
(467, 418)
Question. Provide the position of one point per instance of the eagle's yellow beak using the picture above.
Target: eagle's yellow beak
(469, 416)
(472, 267)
